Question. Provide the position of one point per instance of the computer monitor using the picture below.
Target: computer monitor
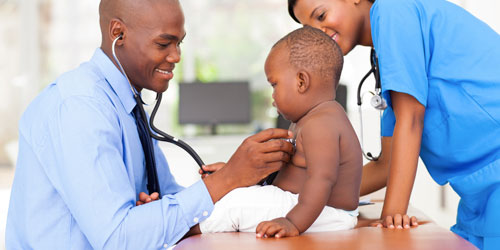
(214, 103)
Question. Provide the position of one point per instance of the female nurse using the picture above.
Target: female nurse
(440, 74)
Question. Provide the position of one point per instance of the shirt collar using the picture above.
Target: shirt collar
(115, 78)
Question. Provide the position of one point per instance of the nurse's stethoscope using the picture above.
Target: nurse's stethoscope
(157, 134)
(377, 101)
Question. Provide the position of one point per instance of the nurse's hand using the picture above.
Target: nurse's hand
(210, 168)
(397, 221)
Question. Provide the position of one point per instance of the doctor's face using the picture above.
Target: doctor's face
(151, 45)
(345, 21)
(282, 77)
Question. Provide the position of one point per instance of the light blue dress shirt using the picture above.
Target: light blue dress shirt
(449, 61)
(81, 167)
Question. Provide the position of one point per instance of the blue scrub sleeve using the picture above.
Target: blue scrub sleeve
(398, 40)
(387, 122)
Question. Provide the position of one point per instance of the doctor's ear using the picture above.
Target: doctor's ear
(117, 30)
(303, 81)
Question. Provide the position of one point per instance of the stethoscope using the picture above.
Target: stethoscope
(377, 101)
(157, 134)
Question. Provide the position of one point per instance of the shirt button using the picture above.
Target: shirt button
(196, 219)
(165, 246)
(205, 213)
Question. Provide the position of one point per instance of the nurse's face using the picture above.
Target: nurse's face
(151, 45)
(345, 21)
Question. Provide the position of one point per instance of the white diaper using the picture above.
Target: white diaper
(244, 208)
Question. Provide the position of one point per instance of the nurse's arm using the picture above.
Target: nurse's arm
(375, 173)
(406, 141)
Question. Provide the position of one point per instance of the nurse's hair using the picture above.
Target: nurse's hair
(313, 50)
(291, 5)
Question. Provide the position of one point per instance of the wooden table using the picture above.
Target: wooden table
(426, 236)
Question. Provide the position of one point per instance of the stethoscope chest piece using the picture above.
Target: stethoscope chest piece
(376, 101)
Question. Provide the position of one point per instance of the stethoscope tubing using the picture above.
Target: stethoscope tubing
(157, 134)
(162, 136)
(378, 87)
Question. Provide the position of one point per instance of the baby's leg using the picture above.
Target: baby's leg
(244, 208)
(193, 231)
(334, 219)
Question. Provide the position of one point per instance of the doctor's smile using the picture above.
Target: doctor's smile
(167, 74)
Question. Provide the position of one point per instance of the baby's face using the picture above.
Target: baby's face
(282, 77)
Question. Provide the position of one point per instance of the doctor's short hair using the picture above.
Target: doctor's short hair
(313, 50)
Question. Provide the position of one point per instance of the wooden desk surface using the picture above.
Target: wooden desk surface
(426, 236)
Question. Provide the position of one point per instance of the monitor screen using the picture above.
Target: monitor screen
(214, 103)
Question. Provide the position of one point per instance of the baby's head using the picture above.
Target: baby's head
(304, 70)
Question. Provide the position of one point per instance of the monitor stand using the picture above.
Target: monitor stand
(213, 129)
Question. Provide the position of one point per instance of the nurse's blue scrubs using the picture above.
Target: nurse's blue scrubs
(449, 61)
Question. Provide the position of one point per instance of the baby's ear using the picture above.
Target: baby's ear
(303, 81)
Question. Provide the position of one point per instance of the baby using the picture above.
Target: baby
(319, 189)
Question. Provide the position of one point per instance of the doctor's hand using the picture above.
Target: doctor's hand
(397, 221)
(145, 198)
(257, 157)
(210, 168)
(279, 227)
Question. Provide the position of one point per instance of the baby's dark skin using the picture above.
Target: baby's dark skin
(344, 194)
(325, 169)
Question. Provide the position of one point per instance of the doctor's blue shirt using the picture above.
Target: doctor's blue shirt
(81, 167)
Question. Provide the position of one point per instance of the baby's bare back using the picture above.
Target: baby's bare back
(347, 163)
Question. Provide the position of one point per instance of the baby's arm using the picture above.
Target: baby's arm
(320, 143)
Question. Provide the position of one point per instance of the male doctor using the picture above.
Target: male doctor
(81, 163)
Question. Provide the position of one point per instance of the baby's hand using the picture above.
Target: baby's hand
(211, 168)
(145, 198)
(279, 227)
